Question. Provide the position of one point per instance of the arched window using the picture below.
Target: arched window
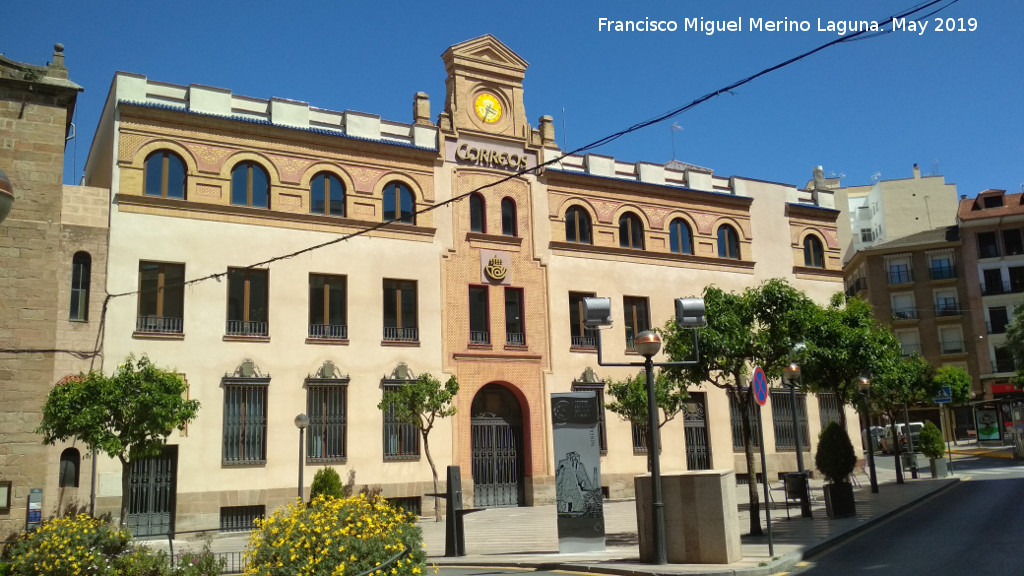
(165, 175)
(327, 195)
(577, 226)
(631, 232)
(814, 254)
(398, 203)
(81, 270)
(508, 217)
(728, 242)
(69, 462)
(477, 214)
(250, 185)
(680, 237)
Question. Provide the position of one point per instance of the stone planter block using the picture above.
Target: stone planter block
(701, 518)
(939, 466)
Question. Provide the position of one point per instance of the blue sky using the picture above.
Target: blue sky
(949, 101)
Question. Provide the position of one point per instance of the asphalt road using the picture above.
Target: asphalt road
(975, 527)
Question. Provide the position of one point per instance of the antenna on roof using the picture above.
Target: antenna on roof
(675, 126)
(935, 167)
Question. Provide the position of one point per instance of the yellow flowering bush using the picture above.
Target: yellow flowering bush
(69, 546)
(336, 537)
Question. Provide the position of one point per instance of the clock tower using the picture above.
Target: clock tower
(484, 91)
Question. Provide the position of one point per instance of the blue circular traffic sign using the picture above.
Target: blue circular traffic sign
(760, 386)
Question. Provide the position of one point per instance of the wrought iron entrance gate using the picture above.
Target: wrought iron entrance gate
(698, 445)
(152, 485)
(497, 448)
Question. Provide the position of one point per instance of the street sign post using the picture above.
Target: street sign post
(945, 396)
(760, 386)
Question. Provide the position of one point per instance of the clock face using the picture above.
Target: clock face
(488, 108)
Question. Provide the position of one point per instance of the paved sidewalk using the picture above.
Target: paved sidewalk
(527, 537)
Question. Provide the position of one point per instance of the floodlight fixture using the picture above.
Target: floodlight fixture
(690, 313)
(597, 312)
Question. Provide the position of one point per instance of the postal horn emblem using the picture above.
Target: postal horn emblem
(495, 269)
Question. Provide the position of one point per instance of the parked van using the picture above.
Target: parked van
(887, 442)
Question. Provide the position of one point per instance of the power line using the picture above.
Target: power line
(591, 146)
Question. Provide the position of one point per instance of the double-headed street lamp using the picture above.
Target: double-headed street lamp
(301, 422)
(865, 388)
(689, 314)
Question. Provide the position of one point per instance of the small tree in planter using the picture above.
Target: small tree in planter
(930, 442)
(835, 459)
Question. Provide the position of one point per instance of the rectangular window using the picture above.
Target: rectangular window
(326, 406)
(637, 317)
(899, 273)
(400, 323)
(941, 268)
(240, 518)
(829, 408)
(866, 235)
(248, 301)
(161, 298)
(1012, 242)
(81, 270)
(515, 329)
(993, 282)
(1003, 360)
(245, 423)
(639, 438)
(736, 421)
(910, 341)
(479, 316)
(987, 246)
(903, 306)
(598, 390)
(401, 440)
(951, 340)
(946, 303)
(782, 417)
(997, 320)
(328, 307)
(1016, 278)
(582, 337)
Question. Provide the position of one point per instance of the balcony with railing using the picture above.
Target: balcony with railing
(900, 276)
(394, 334)
(947, 307)
(953, 347)
(856, 286)
(515, 339)
(479, 337)
(159, 325)
(244, 328)
(905, 313)
(586, 342)
(911, 349)
(328, 331)
(941, 272)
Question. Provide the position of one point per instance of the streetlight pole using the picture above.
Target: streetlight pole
(689, 314)
(301, 422)
(796, 379)
(865, 386)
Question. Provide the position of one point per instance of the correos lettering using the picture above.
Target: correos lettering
(492, 158)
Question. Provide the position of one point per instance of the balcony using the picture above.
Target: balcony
(585, 342)
(953, 347)
(904, 314)
(515, 339)
(910, 349)
(392, 334)
(992, 288)
(328, 331)
(941, 272)
(159, 325)
(948, 307)
(243, 328)
(900, 276)
(479, 338)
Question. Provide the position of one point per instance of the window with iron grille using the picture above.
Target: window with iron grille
(782, 417)
(240, 518)
(829, 408)
(639, 438)
(737, 425)
(245, 421)
(401, 439)
(327, 408)
(411, 504)
(598, 390)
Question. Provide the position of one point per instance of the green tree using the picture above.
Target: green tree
(897, 383)
(326, 481)
(127, 416)
(421, 403)
(755, 328)
(958, 380)
(631, 400)
(843, 343)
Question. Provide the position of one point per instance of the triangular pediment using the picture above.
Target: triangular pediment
(487, 50)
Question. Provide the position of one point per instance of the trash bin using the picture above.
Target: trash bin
(796, 489)
(909, 460)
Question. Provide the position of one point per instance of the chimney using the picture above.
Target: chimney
(547, 130)
(917, 171)
(421, 108)
(57, 68)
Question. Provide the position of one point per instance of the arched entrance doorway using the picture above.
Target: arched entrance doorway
(497, 443)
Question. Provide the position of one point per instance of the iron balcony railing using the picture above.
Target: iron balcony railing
(159, 325)
(328, 331)
(900, 276)
(947, 307)
(904, 313)
(910, 349)
(479, 337)
(401, 334)
(953, 346)
(942, 272)
(584, 342)
(243, 328)
(515, 339)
